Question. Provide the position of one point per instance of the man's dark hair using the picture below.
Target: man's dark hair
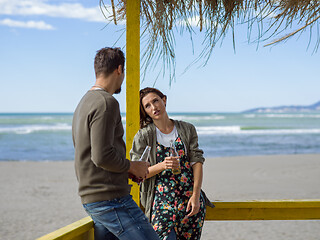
(107, 60)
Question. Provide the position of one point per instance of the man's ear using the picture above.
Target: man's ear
(120, 69)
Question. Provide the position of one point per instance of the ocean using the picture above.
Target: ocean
(47, 136)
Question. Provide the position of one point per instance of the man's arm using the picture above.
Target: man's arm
(103, 152)
(139, 168)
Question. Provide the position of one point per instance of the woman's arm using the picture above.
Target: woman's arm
(138, 145)
(155, 169)
(197, 178)
(168, 163)
(195, 153)
(194, 201)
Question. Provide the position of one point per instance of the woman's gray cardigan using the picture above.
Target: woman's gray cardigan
(147, 137)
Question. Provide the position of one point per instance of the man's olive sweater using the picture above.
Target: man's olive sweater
(100, 153)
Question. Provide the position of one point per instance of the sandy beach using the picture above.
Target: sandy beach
(40, 197)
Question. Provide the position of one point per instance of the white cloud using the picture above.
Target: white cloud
(193, 21)
(29, 24)
(44, 8)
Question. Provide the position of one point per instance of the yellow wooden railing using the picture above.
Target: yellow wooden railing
(248, 210)
(80, 230)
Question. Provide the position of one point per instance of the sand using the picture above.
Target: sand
(259, 178)
(40, 197)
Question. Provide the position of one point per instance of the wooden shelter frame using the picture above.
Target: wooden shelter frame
(247, 210)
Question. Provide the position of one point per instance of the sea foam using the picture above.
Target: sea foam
(27, 129)
(220, 130)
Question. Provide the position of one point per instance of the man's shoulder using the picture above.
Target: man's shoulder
(101, 99)
(100, 94)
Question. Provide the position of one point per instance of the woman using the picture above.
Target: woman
(174, 203)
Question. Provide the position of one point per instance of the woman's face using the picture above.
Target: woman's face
(154, 105)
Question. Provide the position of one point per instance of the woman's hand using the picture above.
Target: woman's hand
(171, 163)
(167, 163)
(193, 205)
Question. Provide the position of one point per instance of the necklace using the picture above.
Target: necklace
(99, 87)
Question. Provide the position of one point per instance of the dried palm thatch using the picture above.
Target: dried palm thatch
(161, 18)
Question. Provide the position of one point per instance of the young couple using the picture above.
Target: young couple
(174, 203)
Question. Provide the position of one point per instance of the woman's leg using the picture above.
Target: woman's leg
(191, 227)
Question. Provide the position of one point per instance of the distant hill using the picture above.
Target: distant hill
(284, 109)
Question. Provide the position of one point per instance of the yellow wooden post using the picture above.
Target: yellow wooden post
(132, 78)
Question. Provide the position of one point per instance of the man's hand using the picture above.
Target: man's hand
(139, 169)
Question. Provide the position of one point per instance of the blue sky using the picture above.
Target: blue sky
(47, 50)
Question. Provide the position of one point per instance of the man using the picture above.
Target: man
(100, 162)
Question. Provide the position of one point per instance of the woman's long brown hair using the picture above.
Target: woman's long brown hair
(144, 117)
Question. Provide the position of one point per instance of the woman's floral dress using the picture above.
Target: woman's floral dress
(172, 193)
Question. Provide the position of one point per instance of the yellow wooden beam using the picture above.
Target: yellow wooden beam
(132, 78)
(80, 230)
(225, 211)
(265, 210)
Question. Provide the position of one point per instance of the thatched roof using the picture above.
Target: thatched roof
(161, 18)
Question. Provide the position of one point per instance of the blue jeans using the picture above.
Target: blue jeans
(119, 218)
(172, 235)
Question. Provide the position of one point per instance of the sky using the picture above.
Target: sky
(47, 48)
